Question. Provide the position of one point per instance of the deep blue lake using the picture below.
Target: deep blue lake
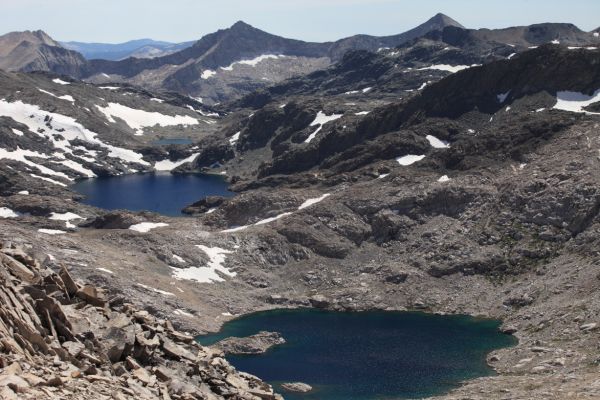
(367, 355)
(163, 193)
(164, 142)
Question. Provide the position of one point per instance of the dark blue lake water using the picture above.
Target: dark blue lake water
(163, 142)
(370, 355)
(163, 193)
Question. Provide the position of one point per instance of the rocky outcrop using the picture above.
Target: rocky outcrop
(63, 339)
(297, 387)
(255, 344)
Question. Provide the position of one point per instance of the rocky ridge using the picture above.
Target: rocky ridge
(61, 339)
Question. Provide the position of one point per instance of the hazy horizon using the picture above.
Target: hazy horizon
(309, 20)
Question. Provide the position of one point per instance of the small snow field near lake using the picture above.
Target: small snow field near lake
(271, 219)
(145, 227)
(139, 119)
(409, 159)
(321, 119)
(207, 274)
(168, 165)
(67, 217)
(60, 81)
(22, 156)
(575, 101)
(444, 178)
(437, 143)
(178, 259)
(7, 213)
(51, 231)
(64, 130)
(23, 192)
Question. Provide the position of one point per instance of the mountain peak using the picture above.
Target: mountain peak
(241, 25)
(443, 20)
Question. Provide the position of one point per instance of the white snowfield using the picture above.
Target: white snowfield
(21, 156)
(60, 81)
(65, 97)
(207, 74)
(409, 159)
(67, 217)
(253, 62)
(437, 143)
(448, 68)
(576, 102)
(168, 165)
(109, 87)
(302, 206)
(139, 119)
(52, 181)
(51, 231)
(321, 119)
(145, 227)
(208, 273)
(311, 202)
(68, 128)
(7, 213)
(234, 139)
(444, 178)
(17, 132)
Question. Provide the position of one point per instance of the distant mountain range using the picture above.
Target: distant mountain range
(233, 62)
(141, 48)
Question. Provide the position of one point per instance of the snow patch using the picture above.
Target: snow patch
(409, 159)
(310, 202)
(234, 139)
(362, 113)
(178, 259)
(208, 273)
(168, 165)
(139, 119)
(444, 178)
(36, 120)
(48, 180)
(253, 62)
(145, 227)
(23, 192)
(51, 231)
(67, 217)
(7, 213)
(155, 290)
(207, 74)
(437, 143)
(17, 132)
(60, 81)
(576, 102)
(321, 119)
(65, 97)
(183, 313)
(448, 68)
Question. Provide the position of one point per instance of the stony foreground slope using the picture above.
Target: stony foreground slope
(60, 339)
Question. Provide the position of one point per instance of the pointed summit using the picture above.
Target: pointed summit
(439, 21)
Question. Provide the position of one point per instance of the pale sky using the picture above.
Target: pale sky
(112, 21)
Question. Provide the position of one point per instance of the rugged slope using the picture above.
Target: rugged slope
(57, 130)
(63, 339)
